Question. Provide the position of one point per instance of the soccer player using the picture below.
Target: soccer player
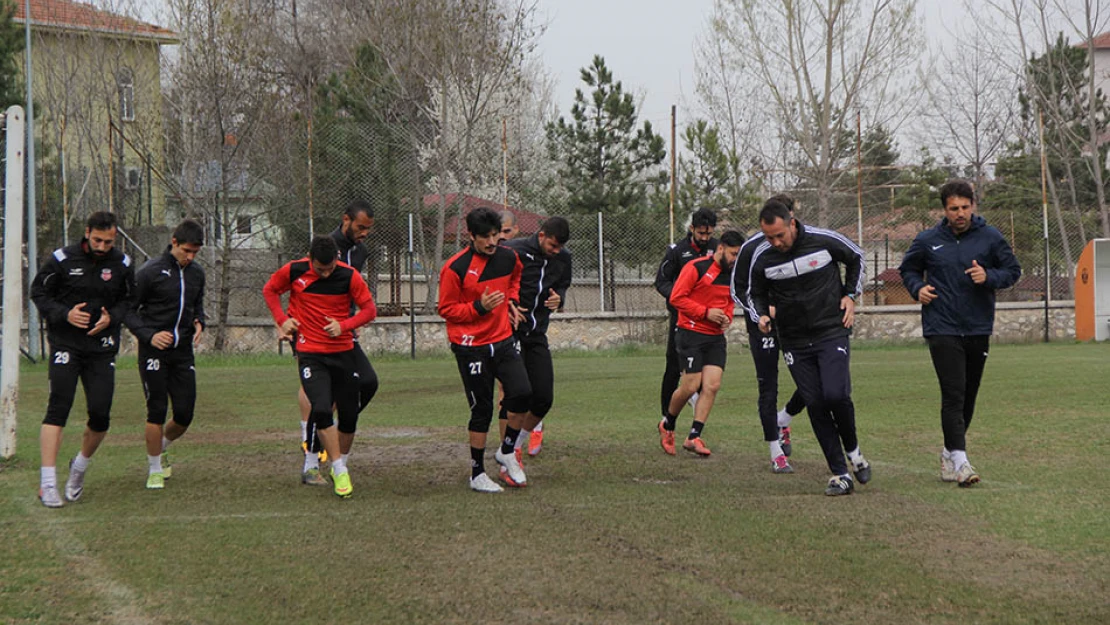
(479, 290)
(544, 280)
(322, 291)
(702, 296)
(358, 220)
(83, 292)
(168, 319)
(765, 355)
(699, 242)
(797, 271)
(954, 269)
(509, 229)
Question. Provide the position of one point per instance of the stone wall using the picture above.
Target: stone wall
(1014, 323)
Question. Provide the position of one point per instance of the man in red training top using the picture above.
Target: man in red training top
(702, 297)
(322, 290)
(479, 288)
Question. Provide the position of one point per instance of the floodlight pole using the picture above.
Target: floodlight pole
(32, 221)
(13, 285)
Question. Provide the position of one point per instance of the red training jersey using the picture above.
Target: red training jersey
(462, 281)
(701, 285)
(313, 298)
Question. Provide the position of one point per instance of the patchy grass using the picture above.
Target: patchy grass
(610, 531)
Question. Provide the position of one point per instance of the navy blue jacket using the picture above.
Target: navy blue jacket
(939, 258)
(539, 274)
(167, 298)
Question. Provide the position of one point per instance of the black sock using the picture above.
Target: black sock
(477, 462)
(695, 430)
(669, 422)
(508, 444)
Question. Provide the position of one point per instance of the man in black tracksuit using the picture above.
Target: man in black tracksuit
(358, 220)
(544, 279)
(168, 320)
(797, 271)
(953, 269)
(83, 292)
(699, 242)
(765, 357)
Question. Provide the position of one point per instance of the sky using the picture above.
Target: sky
(649, 46)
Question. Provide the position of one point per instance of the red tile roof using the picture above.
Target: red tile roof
(528, 222)
(77, 16)
(1101, 42)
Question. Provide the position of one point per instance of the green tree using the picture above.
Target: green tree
(11, 45)
(610, 165)
(709, 176)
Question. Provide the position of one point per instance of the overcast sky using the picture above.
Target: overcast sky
(649, 46)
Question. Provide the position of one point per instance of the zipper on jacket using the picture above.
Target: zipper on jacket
(180, 306)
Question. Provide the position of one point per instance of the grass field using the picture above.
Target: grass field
(610, 531)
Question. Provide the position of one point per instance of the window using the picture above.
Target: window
(126, 85)
(243, 224)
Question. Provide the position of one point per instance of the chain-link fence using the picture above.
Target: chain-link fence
(262, 201)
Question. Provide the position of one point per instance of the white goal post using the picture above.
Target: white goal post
(14, 124)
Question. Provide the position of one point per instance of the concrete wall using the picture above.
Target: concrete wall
(1015, 322)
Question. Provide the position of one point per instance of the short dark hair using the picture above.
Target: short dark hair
(703, 217)
(190, 232)
(356, 207)
(482, 221)
(557, 228)
(101, 220)
(323, 249)
(958, 188)
(772, 210)
(783, 199)
(732, 238)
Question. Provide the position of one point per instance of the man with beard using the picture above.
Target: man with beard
(702, 295)
(83, 292)
(358, 220)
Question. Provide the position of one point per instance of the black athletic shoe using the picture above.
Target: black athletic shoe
(862, 471)
(839, 485)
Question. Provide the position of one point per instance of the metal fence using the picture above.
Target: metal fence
(261, 206)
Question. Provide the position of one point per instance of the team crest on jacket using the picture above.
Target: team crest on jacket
(106, 275)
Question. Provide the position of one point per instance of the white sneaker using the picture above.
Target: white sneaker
(50, 497)
(947, 468)
(482, 484)
(966, 475)
(75, 485)
(516, 473)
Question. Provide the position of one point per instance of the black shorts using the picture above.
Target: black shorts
(330, 379)
(97, 373)
(479, 366)
(696, 350)
(169, 373)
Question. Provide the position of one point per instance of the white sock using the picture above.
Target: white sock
(80, 463)
(339, 467)
(304, 430)
(776, 448)
(959, 458)
(947, 455)
(693, 401)
(785, 418)
(345, 458)
(48, 477)
(311, 461)
(855, 456)
(165, 444)
(522, 439)
(155, 463)
(539, 427)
